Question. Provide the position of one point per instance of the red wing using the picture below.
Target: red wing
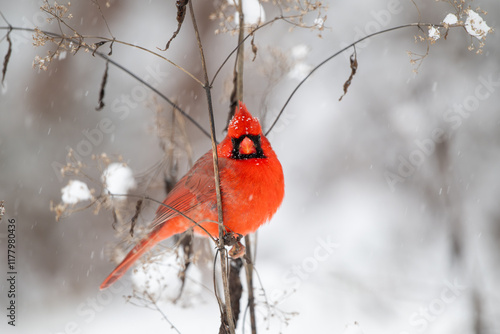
(195, 189)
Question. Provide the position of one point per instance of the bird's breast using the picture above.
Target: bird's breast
(252, 191)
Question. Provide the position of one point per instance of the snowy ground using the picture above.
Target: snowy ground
(391, 211)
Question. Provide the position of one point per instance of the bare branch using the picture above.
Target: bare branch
(221, 248)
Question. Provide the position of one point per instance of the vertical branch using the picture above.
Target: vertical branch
(240, 55)
(236, 290)
(238, 88)
(237, 94)
(223, 254)
(249, 275)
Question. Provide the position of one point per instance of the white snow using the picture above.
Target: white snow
(434, 33)
(450, 19)
(252, 10)
(76, 191)
(118, 178)
(475, 25)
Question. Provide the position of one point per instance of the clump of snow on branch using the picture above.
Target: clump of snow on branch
(475, 25)
(253, 12)
(76, 191)
(319, 23)
(434, 33)
(450, 19)
(118, 178)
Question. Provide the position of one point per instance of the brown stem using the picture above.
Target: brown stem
(240, 56)
(237, 94)
(223, 254)
(249, 275)
(236, 291)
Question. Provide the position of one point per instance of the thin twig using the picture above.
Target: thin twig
(223, 255)
(103, 18)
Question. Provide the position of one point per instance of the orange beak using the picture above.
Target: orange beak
(247, 146)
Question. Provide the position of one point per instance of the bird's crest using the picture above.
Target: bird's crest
(243, 123)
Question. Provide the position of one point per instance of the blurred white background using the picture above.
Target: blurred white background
(416, 254)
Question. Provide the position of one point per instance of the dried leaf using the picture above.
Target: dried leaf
(115, 219)
(138, 209)
(186, 242)
(7, 56)
(97, 46)
(254, 48)
(181, 13)
(103, 87)
(237, 251)
(354, 67)
(231, 238)
(111, 47)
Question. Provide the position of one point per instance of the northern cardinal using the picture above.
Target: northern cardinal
(252, 187)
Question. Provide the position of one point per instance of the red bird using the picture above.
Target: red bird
(252, 188)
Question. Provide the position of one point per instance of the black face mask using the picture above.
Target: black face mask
(235, 154)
